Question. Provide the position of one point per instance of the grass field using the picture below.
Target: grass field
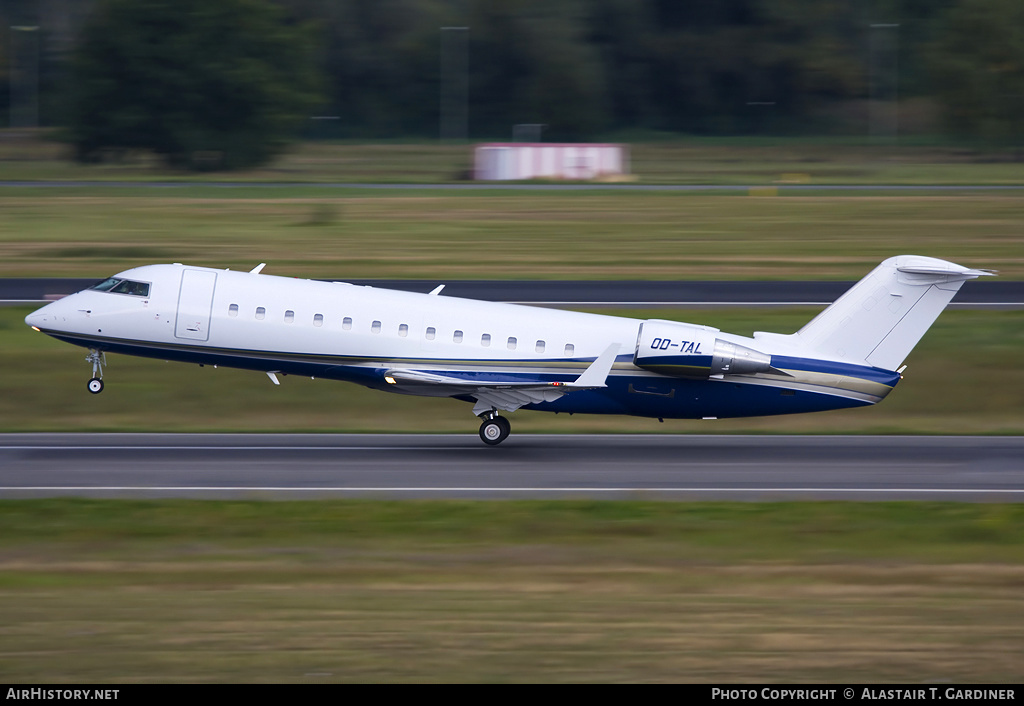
(311, 230)
(178, 591)
(349, 234)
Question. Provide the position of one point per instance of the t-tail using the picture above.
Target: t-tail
(882, 317)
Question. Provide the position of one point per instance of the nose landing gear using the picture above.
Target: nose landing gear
(494, 429)
(98, 360)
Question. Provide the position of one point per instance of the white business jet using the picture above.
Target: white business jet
(503, 357)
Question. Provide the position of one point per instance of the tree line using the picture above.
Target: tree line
(581, 68)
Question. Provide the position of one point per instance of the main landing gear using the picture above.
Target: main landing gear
(495, 428)
(98, 360)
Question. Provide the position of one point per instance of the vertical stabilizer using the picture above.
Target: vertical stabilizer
(882, 317)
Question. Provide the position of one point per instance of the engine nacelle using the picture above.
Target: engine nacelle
(688, 351)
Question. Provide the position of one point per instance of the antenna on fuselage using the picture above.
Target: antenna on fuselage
(259, 268)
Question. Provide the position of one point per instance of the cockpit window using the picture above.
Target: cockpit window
(123, 286)
(106, 285)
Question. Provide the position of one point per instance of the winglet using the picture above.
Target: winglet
(597, 373)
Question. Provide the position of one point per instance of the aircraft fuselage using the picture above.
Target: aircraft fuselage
(505, 356)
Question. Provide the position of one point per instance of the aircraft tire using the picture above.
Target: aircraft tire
(495, 430)
(95, 386)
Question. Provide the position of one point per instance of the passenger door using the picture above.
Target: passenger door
(195, 303)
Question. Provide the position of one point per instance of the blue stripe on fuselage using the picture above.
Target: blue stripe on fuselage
(639, 395)
(813, 365)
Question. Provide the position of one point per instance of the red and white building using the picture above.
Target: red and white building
(501, 161)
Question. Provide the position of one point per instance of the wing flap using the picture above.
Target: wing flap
(507, 395)
(511, 400)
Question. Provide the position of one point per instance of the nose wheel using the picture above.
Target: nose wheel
(494, 429)
(98, 360)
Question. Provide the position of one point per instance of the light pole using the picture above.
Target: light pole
(884, 123)
(24, 116)
(454, 91)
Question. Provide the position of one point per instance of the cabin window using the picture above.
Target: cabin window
(375, 327)
(289, 316)
(233, 310)
(457, 337)
(540, 347)
(570, 349)
(346, 323)
(431, 333)
(261, 313)
(511, 343)
(318, 320)
(485, 340)
(403, 330)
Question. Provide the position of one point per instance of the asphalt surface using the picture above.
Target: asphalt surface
(664, 467)
(995, 294)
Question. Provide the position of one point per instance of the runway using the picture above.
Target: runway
(404, 466)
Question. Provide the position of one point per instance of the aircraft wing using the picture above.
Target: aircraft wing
(505, 395)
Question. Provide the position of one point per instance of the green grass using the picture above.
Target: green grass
(964, 377)
(315, 230)
(350, 591)
(702, 533)
(348, 234)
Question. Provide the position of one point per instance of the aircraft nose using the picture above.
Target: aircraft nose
(43, 317)
(36, 318)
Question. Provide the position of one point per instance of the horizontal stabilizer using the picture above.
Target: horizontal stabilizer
(947, 270)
